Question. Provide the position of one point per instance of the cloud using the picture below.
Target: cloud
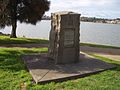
(73, 3)
(101, 8)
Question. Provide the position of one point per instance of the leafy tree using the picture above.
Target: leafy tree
(28, 11)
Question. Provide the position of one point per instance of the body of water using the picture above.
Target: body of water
(97, 33)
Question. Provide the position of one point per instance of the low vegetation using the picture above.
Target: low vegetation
(13, 72)
(8, 40)
(98, 46)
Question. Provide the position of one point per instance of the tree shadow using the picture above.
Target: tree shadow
(42, 67)
(42, 62)
(10, 59)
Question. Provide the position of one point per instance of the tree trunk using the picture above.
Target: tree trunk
(13, 32)
(14, 18)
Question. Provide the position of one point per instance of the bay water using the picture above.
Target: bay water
(96, 33)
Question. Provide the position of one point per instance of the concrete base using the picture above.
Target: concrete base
(44, 70)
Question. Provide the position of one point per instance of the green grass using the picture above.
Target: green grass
(8, 40)
(99, 46)
(13, 71)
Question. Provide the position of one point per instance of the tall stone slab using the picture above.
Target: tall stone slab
(64, 37)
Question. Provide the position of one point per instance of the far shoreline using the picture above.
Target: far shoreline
(87, 22)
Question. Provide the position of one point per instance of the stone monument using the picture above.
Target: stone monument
(64, 37)
(63, 49)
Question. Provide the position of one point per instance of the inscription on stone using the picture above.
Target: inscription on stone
(69, 37)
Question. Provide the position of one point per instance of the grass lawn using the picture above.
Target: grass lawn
(13, 72)
(8, 40)
(99, 46)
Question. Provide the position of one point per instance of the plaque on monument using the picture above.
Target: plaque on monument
(69, 37)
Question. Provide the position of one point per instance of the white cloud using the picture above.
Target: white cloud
(86, 7)
(80, 2)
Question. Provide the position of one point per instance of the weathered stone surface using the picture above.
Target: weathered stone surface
(64, 37)
(44, 70)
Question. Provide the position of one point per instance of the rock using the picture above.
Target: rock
(64, 37)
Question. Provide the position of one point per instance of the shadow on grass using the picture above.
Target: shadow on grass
(39, 61)
(116, 63)
(117, 68)
(10, 59)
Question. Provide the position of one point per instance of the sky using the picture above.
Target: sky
(90, 8)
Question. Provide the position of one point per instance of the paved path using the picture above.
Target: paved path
(105, 52)
(110, 53)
